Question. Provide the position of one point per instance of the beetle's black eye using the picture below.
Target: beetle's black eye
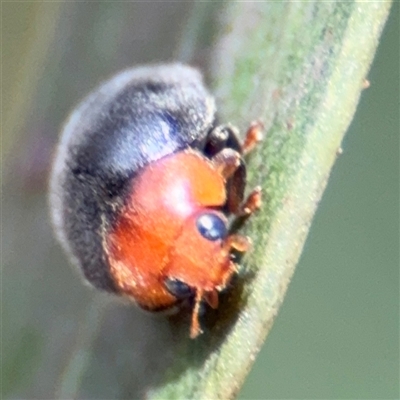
(177, 288)
(211, 226)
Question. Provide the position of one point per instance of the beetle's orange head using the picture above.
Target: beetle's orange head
(199, 262)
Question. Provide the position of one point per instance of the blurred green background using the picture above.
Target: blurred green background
(337, 335)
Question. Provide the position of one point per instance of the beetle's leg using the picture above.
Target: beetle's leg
(238, 243)
(230, 165)
(195, 329)
(252, 202)
(253, 136)
(235, 193)
(221, 137)
(246, 209)
(226, 162)
(227, 136)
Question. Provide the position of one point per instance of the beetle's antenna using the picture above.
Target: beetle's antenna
(195, 329)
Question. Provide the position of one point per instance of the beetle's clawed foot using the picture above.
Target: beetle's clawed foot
(252, 203)
(254, 135)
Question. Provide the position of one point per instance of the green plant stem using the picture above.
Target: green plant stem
(300, 68)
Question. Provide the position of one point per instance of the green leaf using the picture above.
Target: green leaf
(300, 68)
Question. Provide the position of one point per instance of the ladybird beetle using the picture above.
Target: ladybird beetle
(142, 186)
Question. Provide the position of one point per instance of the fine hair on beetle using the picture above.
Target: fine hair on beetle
(143, 184)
